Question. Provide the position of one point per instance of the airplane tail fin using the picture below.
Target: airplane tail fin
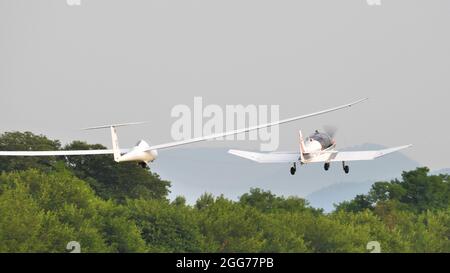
(302, 146)
(114, 137)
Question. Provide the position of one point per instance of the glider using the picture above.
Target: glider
(143, 153)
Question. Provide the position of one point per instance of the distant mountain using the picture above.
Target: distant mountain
(334, 194)
(441, 171)
(194, 171)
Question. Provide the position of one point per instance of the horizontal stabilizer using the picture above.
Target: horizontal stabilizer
(114, 125)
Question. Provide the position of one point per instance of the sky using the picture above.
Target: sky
(65, 67)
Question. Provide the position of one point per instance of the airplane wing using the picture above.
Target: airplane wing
(59, 153)
(356, 155)
(267, 157)
(325, 157)
(171, 144)
(248, 129)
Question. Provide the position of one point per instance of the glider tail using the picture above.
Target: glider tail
(114, 137)
(115, 144)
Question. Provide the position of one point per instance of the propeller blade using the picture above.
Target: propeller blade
(330, 130)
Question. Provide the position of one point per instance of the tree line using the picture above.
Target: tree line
(47, 202)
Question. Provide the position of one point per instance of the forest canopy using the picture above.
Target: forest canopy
(47, 202)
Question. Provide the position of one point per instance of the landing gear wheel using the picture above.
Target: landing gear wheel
(326, 166)
(293, 169)
(143, 165)
(345, 167)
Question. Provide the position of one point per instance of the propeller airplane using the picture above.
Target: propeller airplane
(318, 147)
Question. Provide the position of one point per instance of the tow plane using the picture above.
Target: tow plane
(320, 147)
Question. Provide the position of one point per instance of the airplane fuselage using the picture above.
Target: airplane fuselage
(140, 153)
(316, 144)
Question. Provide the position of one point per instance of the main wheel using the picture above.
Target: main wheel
(346, 169)
(293, 170)
(143, 165)
(326, 166)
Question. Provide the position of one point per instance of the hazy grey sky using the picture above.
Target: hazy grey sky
(63, 67)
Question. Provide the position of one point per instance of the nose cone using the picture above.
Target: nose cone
(154, 154)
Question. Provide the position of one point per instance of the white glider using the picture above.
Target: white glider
(319, 147)
(144, 153)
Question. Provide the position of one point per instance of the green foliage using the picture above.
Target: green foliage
(179, 201)
(107, 207)
(204, 201)
(17, 141)
(109, 179)
(166, 227)
(281, 233)
(265, 201)
(359, 203)
(42, 212)
(415, 211)
(424, 192)
(417, 192)
(21, 222)
(231, 227)
(115, 181)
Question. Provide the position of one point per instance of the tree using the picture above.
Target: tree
(108, 207)
(112, 180)
(231, 227)
(179, 201)
(17, 141)
(21, 222)
(42, 212)
(281, 232)
(204, 201)
(423, 191)
(109, 179)
(417, 191)
(360, 203)
(266, 201)
(166, 227)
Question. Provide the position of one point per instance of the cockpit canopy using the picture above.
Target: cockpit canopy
(324, 139)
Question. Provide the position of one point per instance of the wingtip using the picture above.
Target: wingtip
(359, 101)
(403, 147)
